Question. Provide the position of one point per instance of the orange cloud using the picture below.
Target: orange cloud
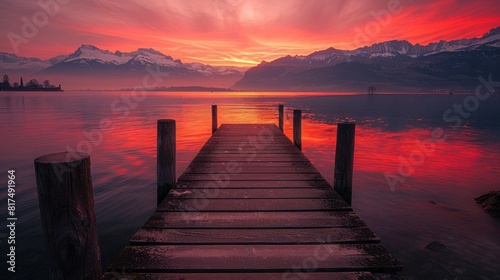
(243, 32)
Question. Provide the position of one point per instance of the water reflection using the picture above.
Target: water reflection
(434, 203)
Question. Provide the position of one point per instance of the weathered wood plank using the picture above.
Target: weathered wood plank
(252, 157)
(246, 220)
(237, 141)
(247, 145)
(122, 274)
(226, 182)
(251, 129)
(238, 158)
(238, 168)
(256, 258)
(254, 193)
(248, 177)
(254, 236)
(242, 148)
(232, 167)
(256, 164)
(250, 137)
(247, 151)
(253, 135)
(251, 205)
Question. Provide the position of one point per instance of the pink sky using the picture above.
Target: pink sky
(239, 32)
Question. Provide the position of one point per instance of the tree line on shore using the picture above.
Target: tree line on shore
(33, 84)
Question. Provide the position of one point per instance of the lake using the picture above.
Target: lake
(420, 160)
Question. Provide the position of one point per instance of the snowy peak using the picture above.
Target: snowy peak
(492, 32)
(12, 61)
(87, 53)
(208, 70)
(150, 51)
(143, 56)
(389, 49)
(151, 57)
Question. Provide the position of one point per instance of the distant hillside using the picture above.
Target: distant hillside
(389, 66)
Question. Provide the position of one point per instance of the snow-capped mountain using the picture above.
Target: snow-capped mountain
(89, 65)
(89, 54)
(14, 62)
(393, 48)
(392, 65)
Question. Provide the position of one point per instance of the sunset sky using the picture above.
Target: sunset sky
(237, 32)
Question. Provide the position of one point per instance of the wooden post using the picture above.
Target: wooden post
(281, 111)
(214, 118)
(165, 158)
(67, 209)
(344, 160)
(297, 128)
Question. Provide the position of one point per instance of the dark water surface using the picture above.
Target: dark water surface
(410, 186)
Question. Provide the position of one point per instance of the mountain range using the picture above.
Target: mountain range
(389, 66)
(92, 68)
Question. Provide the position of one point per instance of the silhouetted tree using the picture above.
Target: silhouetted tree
(371, 89)
(46, 84)
(6, 82)
(33, 83)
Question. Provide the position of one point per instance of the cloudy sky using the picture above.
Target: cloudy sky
(235, 32)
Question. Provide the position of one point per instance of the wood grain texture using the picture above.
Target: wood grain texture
(281, 110)
(242, 220)
(344, 160)
(165, 158)
(214, 118)
(254, 236)
(297, 128)
(256, 258)
(317, 193)
(293, 275)
(251, 205)
(224, 181)
(67, 210)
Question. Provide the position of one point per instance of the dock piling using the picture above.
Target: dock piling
(165, 158)
(67, 210)
(280, 113)
(297, 128)
(214, 118)
(344, 160)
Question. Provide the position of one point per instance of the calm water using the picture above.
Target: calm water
(433, 200)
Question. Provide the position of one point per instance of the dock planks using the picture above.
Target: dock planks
(252, 206)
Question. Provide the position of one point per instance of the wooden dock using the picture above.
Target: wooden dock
(252, 206)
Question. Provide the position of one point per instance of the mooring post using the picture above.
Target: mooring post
(165, 158)
(67, 210)
(214, 118)
(297, 128)
(344, 160)
(281, 112)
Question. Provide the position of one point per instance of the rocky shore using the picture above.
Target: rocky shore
(490, 203)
